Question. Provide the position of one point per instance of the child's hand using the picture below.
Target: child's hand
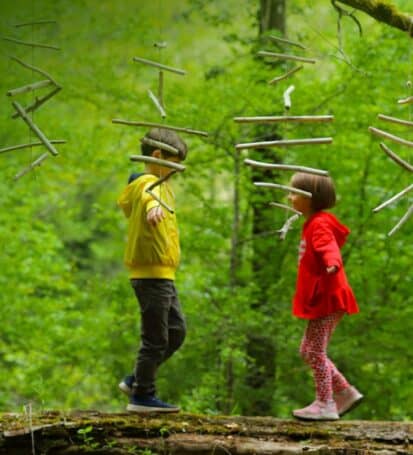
(155, 216)
(332, 269)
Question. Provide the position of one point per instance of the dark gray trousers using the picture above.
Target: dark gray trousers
(163, 329)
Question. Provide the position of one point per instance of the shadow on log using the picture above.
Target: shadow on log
(90, 432)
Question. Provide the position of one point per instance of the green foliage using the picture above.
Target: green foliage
(70, 324)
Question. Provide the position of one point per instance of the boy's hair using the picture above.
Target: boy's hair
(168, 137)
(322, 189)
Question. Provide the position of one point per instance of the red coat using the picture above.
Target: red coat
(318, 293)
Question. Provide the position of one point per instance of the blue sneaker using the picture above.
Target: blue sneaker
(126, 385)
(149, 404)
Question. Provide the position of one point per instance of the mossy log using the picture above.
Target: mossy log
(90, 432)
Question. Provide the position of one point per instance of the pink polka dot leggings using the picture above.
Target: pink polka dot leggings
(328, 379)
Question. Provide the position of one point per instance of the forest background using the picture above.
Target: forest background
(69, 320)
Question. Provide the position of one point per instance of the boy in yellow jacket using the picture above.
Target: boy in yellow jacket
(152, 257)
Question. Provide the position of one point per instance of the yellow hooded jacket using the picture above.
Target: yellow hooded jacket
(151, 252)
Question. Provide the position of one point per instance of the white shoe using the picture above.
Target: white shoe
(347, 399)
(318, 410)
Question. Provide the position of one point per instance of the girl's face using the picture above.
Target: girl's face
(301, 203)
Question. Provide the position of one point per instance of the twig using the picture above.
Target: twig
(287, 98)
(39, 102)
(35, 163)
(164, 204)
(152, 160)
(396, 157)
(285, 167)
(157, 103)
(395, 120)
(287, 225)
(160, 125)
(36, 23)
(287, 41)
(34, 68)
(160, 44)
(285, 118)
(159, 65)
(29, 88)
(157, 183)
(405, 217)
(393, 199)
(31, 144)
(160, 145)
(160, 89)
(286, 75)
(290, 189)
(285, 207)
(408, 100)
(34, 128)
(286, 57)
(29, 416)
(285, 143)
(27, 43)
(393, 138)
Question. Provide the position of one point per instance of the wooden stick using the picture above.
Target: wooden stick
(152, 160)
(160, 125)
(393, 199)
(286, 118)
(286, 57)
(29, 88)
(393, 138)
(286, 75)
(31, 144)
(160, 145)
(395, 120)
(285, 207)
(157, 103)
(290, 189)
(285, 167)
(39, 102)
(408, 100)
(31, 166)
(27, 43)
(159, 65)
(161, 180)
(286, 41)
(36, 23)
(287, 98)
(34, 68)
(34, 128)
(405, 217)
(396, 158)
(164, 204)
(160, 44)
(285, 143)
(287, 225)
(160, 89)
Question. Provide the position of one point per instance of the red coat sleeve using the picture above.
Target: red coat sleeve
(325, 245)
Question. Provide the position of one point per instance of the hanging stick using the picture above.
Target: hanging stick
(393, 199)
(286, 75)
(159, 65)
(37, 70)
(26, 43)
(395, 120)
(287, 98)
(286, 118)
(290, 189)
(160, 89)
(157, 103)
(164, 204)
(393, 138)
(36, 23)
(39, 102)
(32, 144)
(160, 125)
(160, 44)
(405, 217)
(285, 167)
(34, 128)
(408, 100)
(285, 142)
(152, 160)
(396, 158)
(285, 207)
(27, 169)
(286, 41)
(29, 88)
(287, 225)
(286, 57)
(160, 145)
(159, 182)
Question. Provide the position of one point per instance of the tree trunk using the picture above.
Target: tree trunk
(88, 432)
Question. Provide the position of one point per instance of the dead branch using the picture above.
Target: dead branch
(392, 137)
(152, 160)
(36, 23)
(408, 100)
(39, 102)
(29, 87)
(34, 68)
(287, 225)
(285, 207)
(285, 167)
(35, 163)
(159, 65)
(396, 157)
(27, 43)
(289, 189)
(394, 120)
(286, 41)
(287, 98)
(285, 118)
(285, 143)
(285, 75)
(31, 144)
(404, 218)
(160, 145)
(393, 199)
(160, 125)
(296, 58)
(157, 103)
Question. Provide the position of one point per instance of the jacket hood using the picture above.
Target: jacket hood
(339, 230)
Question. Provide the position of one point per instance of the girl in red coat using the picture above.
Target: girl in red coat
(322, 296)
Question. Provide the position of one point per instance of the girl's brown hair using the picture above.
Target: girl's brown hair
(322, 189)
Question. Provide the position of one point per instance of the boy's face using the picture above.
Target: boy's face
(162, 171)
